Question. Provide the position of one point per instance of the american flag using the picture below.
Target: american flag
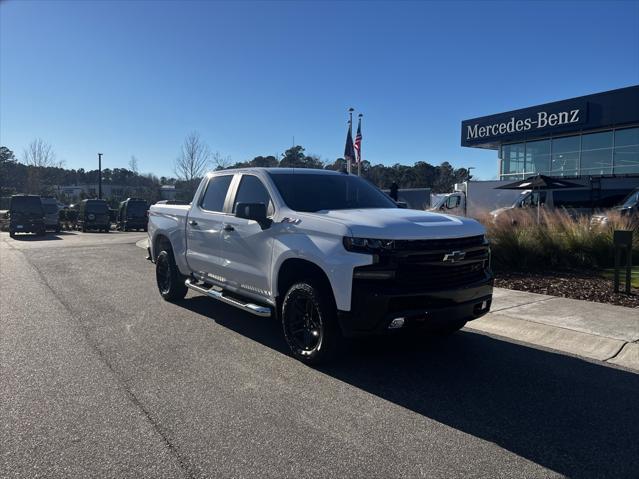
(358, 142)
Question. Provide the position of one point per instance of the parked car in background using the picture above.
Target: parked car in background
(133, 215)
(26, 215)
(51, 213)
(629, 207)
(69, 216)
(577, 202)
(93, 215)
(475, 198)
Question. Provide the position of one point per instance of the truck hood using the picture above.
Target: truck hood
(396, 223)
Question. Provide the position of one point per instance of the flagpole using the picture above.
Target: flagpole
(350, 124)
(359, 151)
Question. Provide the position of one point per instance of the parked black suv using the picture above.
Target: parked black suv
(132, 214)
(94, 215)
(26, 215)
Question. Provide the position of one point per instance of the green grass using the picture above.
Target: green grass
(634, 276)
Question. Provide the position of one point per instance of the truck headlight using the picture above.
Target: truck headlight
(367, 245)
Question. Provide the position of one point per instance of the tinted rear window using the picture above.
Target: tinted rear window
(136, 208)
(98, 207)
(26, 204)
(216, 193)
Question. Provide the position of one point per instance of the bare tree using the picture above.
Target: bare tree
(193, 159)
(133, 164)
(221, 162)
(39, 153)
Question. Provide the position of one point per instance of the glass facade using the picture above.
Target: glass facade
(589, 154)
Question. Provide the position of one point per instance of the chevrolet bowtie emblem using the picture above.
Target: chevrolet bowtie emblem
(454, 256)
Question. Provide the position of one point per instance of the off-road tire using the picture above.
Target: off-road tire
(321, 300)
(169, 280)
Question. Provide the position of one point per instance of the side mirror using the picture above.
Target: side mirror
(253, 211)
(401, 204)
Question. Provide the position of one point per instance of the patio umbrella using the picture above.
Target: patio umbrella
(539, 182)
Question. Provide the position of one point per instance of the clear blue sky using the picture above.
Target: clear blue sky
(133, 78)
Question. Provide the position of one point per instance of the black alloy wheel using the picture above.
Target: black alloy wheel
(305, 323)
(170, 282)
(309, 320)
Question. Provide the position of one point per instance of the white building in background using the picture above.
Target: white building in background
(91, 191)
(167, 192)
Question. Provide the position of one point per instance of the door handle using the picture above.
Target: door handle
(228, 228)
(193, 222)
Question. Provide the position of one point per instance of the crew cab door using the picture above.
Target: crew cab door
(203, 228)
(246, 246)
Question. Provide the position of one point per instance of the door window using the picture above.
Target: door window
(452, 202)
(252, 190)
(215, 194)
(532, 199)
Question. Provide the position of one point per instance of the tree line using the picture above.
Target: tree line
(38, 172)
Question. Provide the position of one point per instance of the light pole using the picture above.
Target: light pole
(350, 134)
(99, 176)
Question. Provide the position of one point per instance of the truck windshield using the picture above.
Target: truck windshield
(632, 200)
(99, 207)
(439, 202)
(316, 192)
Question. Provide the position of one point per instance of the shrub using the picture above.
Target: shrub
(558, 241)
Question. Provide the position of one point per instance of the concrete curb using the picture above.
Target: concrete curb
(574, 342)
(628, 357)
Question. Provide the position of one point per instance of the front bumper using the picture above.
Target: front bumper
(374, 305)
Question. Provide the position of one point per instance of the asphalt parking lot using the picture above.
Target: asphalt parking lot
(100, 377)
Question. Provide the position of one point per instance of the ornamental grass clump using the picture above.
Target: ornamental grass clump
(558, 241)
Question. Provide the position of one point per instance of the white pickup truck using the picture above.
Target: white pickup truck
(327, 253)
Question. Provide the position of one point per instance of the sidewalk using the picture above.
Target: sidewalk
(592, 330)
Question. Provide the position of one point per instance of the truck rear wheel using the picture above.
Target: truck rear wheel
(309, 320)
(169, 280)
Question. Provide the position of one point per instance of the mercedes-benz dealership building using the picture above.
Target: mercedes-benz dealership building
(589, 136)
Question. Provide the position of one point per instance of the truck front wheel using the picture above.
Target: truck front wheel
(309, 320)
(170, 281)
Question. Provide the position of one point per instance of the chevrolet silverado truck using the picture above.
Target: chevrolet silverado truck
(326, 253)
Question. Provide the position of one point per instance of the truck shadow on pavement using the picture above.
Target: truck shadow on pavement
(574, 417)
